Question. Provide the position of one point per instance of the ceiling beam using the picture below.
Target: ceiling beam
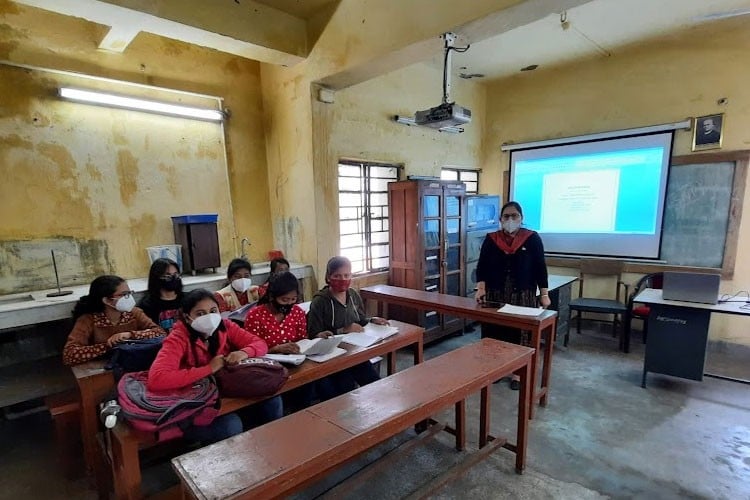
(247, 29)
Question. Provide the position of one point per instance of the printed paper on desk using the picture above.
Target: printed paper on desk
(373, 334)
(305, 306)
(289, 359)
(318, 346)
(319, 358)
(521, 311)
(239, 314)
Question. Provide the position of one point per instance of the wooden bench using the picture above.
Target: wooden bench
(65, 410)
(125, 442)
(287, 454)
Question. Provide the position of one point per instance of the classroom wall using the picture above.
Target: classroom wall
(80, 186)
(665, 80)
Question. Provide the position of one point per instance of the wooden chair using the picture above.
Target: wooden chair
(640, 311)
(599, 267)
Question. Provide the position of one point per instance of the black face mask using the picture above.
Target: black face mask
(283, 308)
(172, 284)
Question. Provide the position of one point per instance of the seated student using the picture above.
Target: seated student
(201, 345)
(104, 317)
(278, 265)
(162, 300)
(338, 309)
(281, 322)
(240, 291)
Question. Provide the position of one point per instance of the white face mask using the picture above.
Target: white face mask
(511, 226)
(242, 284)
(206, 324)
(125, 304)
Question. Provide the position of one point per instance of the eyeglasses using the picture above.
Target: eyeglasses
(515, 216)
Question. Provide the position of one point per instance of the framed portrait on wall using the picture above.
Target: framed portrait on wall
(708, 132)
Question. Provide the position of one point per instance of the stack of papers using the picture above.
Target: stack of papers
(312, 347)
(319, 358)
(521, 311)
(373, 333)
(289, 359)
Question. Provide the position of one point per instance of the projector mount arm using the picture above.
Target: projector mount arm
(449, 42)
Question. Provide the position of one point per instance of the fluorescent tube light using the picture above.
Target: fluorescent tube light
(92, 97)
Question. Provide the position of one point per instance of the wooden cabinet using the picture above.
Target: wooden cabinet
(427, 232)
(199, 237)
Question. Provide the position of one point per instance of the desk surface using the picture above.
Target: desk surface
(556, 281)
(41, 308)
(654, 296)
(465, 307)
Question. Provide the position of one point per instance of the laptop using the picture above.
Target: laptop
(691, 287)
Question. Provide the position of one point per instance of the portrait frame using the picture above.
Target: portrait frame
(705, 130)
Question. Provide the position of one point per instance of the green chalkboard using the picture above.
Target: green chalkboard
(697, 214)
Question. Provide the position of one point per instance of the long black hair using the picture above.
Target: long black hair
(188, 302)
(101, 288)
(280, 284)
(158, 268)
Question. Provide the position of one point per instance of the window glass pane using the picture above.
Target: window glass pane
(386, 172)
(376, 225)
(350, 184)
(452, 206)
(448, 175)
(349, 212)
(350, 200)
(350, 170)
(385, 224)
(431, 233)
(352, 240)
(378, 199)
(349, 226)
(451, 228)
(453, 284)
(432, 262)
(469, 175)
(385, 211)
(379, 184)
(381, 237)
(358, 266)
(452, 259)
(431, 206)
(472, 187)
(379, 250)
(353, 254)
(376, 212)
(381, 263)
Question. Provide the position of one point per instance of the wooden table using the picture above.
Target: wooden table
(468, 308)
(278, 458)
(125, 442)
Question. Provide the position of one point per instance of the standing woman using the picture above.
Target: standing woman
(240, 291)
(104, 318)
(162, 300)
(511, 266)
(336, 309)
(201, 345)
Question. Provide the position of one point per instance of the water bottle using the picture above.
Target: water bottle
(109, 412)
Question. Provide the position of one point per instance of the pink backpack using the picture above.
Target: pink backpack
(166, 413)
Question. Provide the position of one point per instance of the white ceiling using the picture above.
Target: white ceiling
(599, 27)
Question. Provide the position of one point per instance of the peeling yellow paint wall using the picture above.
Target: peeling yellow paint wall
(102, 183)
(663, 81)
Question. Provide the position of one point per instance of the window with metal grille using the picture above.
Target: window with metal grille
(363, 213)
(468, 177)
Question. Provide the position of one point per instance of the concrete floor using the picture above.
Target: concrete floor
(601, 436)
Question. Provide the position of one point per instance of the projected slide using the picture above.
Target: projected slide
(595, 198)
(572, 203)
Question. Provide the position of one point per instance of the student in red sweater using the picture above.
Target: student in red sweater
(281, 322)
(105, 317)
(201, 345)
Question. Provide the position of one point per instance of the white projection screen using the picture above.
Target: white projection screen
(597, 198)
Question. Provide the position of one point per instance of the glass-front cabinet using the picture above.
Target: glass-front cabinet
(430, 258)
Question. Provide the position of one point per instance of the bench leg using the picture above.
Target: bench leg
(126, 469)
(419, 351)
(524, 404)
(484, 417)
(391, 360)
(547, 364)
(461, 425)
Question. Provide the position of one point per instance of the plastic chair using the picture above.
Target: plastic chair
(599, 267)
(640, 311)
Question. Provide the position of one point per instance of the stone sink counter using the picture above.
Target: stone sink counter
(29, 308)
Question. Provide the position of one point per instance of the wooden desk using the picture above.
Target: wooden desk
(95, 384)
(678, 335)
(278, 458)
(125, 442)
(468, 308)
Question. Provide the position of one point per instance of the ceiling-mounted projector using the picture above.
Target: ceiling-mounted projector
(448, 115)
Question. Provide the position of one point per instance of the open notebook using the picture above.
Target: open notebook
(239, 314)
(373, 334)
(312, 347)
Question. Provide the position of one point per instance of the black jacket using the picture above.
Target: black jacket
(526, 267)
(327, 313)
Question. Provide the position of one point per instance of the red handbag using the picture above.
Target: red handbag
(251, 378)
